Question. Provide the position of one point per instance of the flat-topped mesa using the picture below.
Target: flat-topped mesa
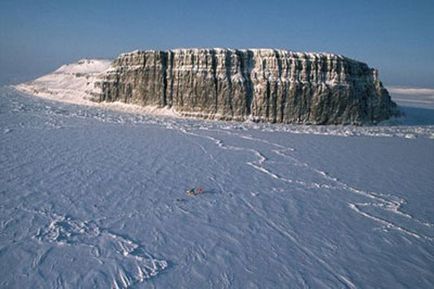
(259, 84)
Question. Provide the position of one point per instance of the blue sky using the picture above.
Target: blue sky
(395, 36)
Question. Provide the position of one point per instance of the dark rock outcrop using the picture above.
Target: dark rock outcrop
(259, 84)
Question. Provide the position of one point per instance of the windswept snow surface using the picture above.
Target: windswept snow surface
(92, 198)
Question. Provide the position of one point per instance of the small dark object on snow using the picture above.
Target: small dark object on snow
(194, 191)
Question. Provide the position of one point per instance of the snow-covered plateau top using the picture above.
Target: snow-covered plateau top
(73, 83)
(259, 51)
(85, 66)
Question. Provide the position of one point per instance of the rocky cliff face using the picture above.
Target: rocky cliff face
(260, 84)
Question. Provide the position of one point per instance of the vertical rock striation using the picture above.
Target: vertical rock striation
(260, 84)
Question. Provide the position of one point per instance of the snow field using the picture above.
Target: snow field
(94, 198)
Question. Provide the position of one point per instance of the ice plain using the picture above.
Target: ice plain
(95, 198)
